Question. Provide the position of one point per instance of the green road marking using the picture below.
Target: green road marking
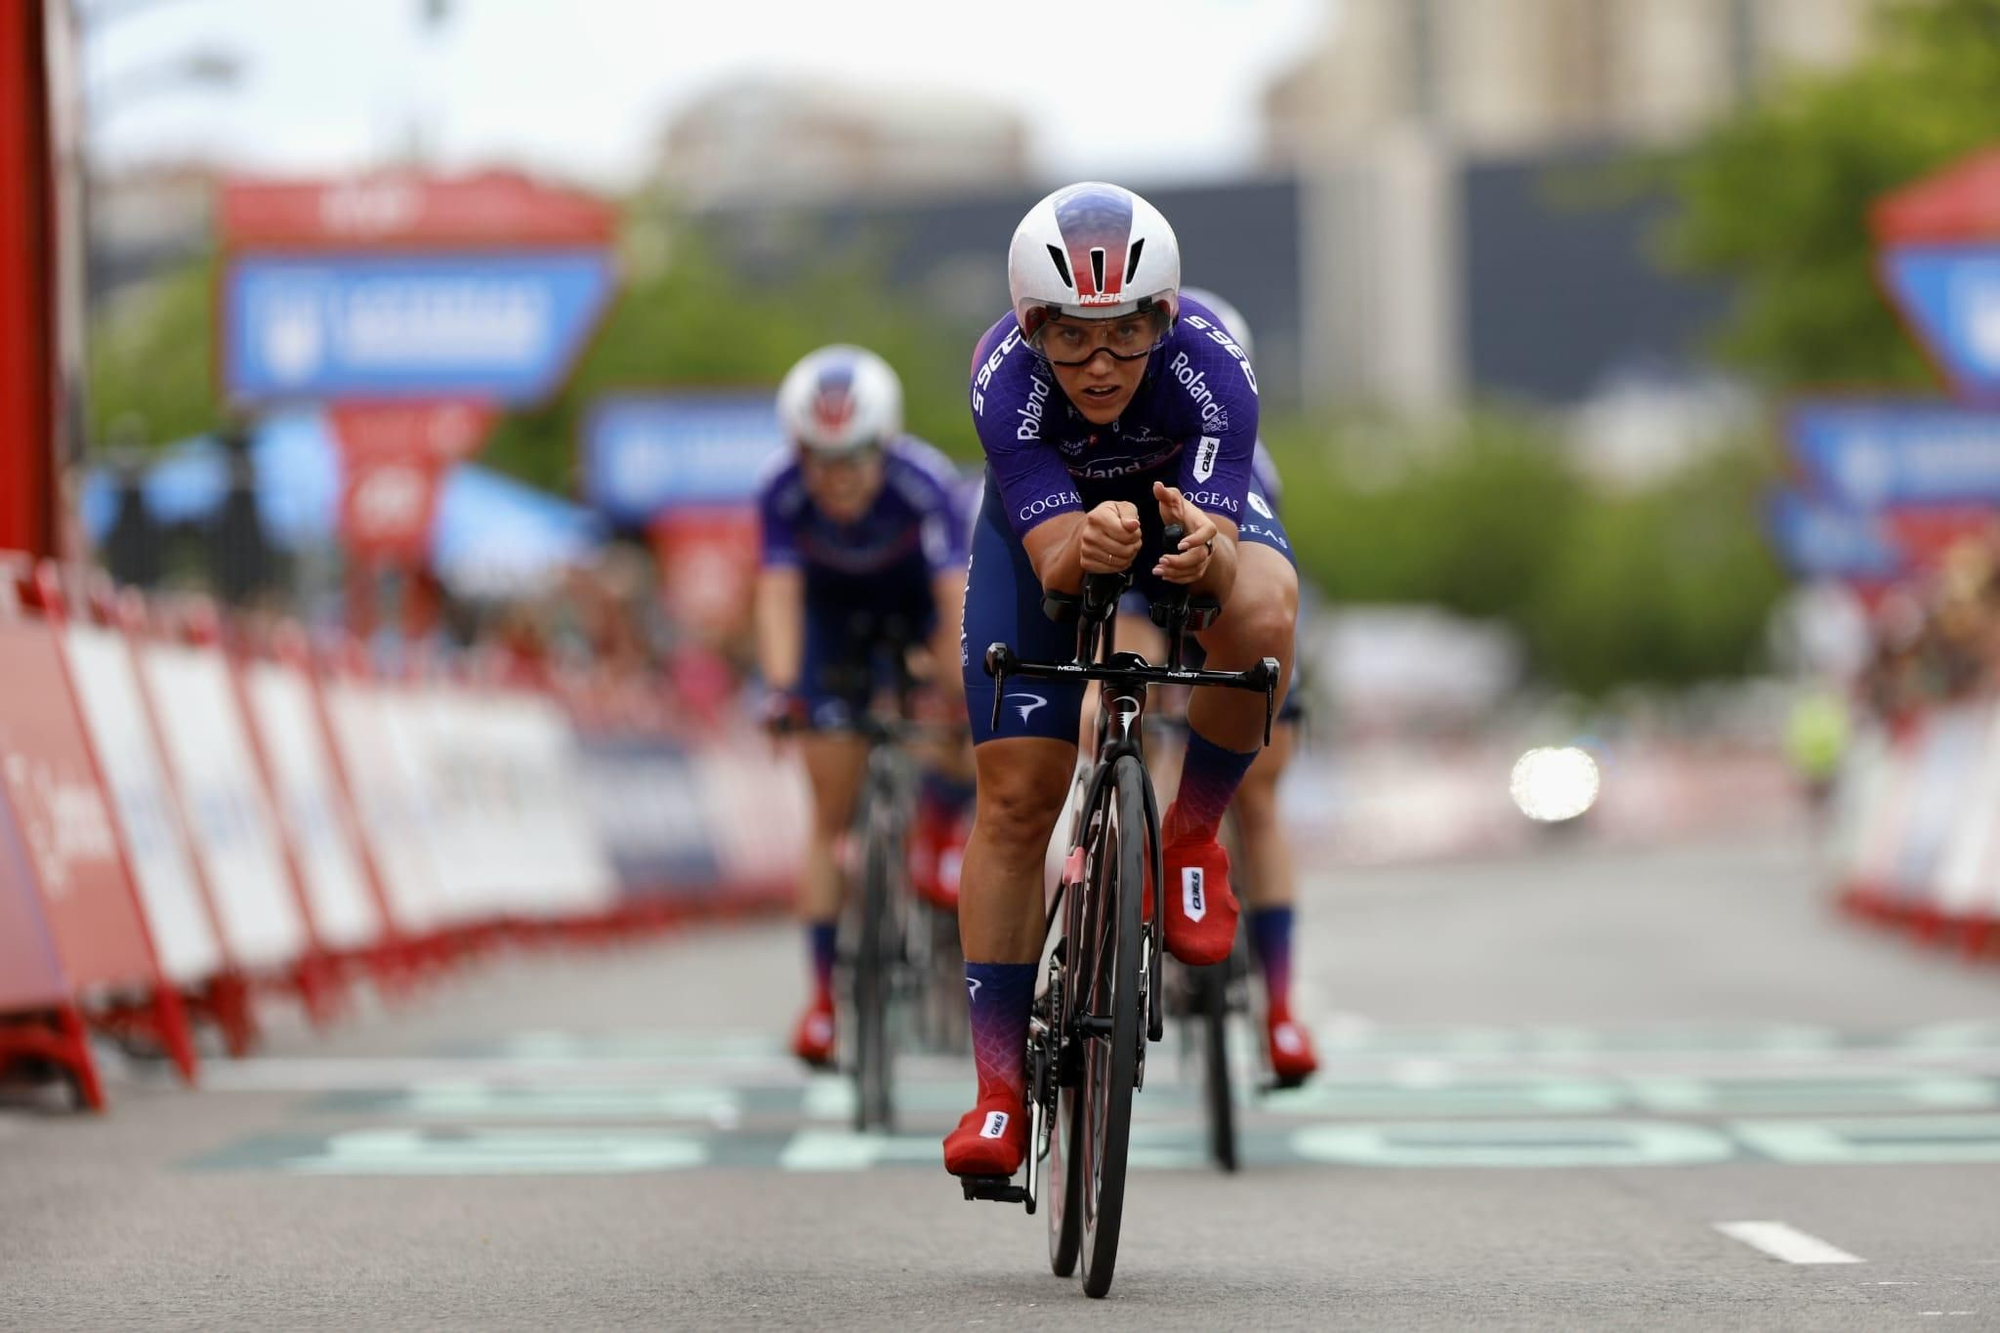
(1752, 1096)
(1512, 1143)
(1476, 1096)
(429, 1152)
(499, 1101)
(1884, 1141)
(1952, 1038)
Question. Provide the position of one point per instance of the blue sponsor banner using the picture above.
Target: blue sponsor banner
(645, 454)
(646, 803)
(1950, 294)
(1876, 454)
(1816, 541)
(504, 326)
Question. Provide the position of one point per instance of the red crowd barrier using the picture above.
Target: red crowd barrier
(196, 816)
(73, 859)
(1916, 838)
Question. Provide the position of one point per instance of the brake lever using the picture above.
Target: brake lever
(1269, 666)
(998, 659)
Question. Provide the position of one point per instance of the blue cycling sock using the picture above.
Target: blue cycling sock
(819, 948)
(1210, 776)
(1271, 940)
(998, 996)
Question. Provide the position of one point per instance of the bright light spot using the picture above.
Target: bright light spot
(1553, 784)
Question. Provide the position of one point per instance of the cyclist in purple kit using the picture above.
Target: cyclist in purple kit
(1262, 843)
(1108, 408)
(863, 548)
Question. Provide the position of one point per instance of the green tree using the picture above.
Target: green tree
(690, 321)
(152, 359)
(1668, 585)
(1776, 197)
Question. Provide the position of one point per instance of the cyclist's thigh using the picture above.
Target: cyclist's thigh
(1003, 604)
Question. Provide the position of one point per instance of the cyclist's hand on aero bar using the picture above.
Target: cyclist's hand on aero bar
(1196, 547)
(1110, 539)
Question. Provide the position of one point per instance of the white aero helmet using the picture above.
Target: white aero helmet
(840, 399)
(1093, 251)
(1232, 318)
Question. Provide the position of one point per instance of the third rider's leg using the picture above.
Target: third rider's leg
(1225, 732)
(1267, 861)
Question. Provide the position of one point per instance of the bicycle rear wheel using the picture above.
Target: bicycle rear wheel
(875, 955)
(1111, 1018)
(1063, 1190)
(1211, 987)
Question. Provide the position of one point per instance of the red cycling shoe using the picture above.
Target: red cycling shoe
(991, 1138)
(1290, 1048)
(1201, 910)
(937, 846)
(812, 1036)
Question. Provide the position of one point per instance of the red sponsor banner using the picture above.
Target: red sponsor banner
(66, 833)
(1928, 536)
(391, 210)
(394, 455)
(1960, 203)
(708, 566)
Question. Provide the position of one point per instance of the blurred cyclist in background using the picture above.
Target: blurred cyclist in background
(1107, 408)
(864, 548)
(1268, 870)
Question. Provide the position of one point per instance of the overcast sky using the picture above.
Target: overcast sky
(1164, 89)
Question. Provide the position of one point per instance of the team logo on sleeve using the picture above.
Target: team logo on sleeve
(1205, 455)
(1257, 503)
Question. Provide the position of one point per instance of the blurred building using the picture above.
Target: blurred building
(765, 138)
(148, 220)
(1459, 238)
(1240, 238)
(1515, 76)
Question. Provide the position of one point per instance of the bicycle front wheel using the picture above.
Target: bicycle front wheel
(1111, 1021)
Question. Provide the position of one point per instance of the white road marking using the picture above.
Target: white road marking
(1788, 1243)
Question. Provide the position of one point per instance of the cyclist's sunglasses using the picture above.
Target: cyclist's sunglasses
(828, 459)
(1065, 341)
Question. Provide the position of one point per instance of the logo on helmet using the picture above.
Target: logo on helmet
(833, 399)
(1096, 225)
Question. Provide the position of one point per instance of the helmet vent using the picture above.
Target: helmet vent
(1132, 260)
(1062, 267)
(1097, 267)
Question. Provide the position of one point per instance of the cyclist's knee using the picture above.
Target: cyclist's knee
(1021, 789)
(1263, 612)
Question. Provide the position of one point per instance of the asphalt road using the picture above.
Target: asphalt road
(1556, 1085)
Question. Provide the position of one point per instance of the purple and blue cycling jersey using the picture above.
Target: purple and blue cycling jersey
(1192, 424)
(916, 528)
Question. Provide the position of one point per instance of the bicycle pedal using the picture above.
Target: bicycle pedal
(996, 1189)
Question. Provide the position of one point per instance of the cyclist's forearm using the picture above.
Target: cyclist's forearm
(948, 594)
(1055, 549)
(780, 627)
(1219, 579)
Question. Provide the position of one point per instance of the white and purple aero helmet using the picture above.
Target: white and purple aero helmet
(1093, 251)
(840, 400)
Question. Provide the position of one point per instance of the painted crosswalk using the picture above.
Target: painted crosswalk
(1469, 1098)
